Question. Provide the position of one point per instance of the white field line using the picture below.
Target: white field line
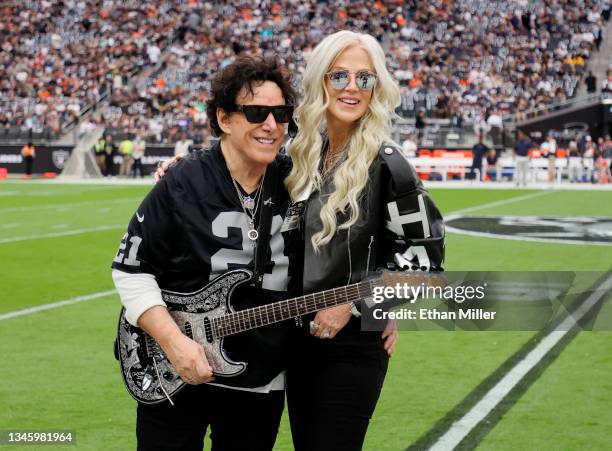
(58, 234)
(461, 428)
(497, 203)
(68, 205)
(451, 229)
(39, 308)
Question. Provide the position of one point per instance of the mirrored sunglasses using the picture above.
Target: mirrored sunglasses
(340, 79)
(256, 114)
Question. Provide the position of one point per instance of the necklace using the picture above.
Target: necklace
(249, 206)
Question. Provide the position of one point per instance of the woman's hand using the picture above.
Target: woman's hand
(329, 322)
(390, 336)
(164, 166)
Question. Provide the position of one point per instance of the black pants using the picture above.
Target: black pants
(239, 420)
(29, 162)
(109, 165)
(137, 166)
(332, 388)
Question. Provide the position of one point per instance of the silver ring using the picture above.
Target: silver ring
(313, 325)
(325, 334)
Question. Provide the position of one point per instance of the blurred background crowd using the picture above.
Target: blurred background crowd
(144, 67)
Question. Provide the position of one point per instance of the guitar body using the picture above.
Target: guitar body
(207, 315)
(148, 375)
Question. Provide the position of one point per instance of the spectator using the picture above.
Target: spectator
(109, 154)
(126, 147)
(493, 170)
(574, 162)
(478, 151)
(99, 151)
(182, 145)
(29, 154)
(420, 124)
(591, 83)
(521, 155)
(588, 160)
(409, 147)
(137, 154)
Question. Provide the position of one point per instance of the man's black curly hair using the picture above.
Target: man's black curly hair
(246, 72)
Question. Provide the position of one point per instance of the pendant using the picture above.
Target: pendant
(253, 235)
(249, 202)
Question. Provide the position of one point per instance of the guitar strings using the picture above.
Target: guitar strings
(243, 319)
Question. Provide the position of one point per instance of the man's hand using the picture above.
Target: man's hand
(188, 359)
(164, 166)
(329, 322)
(186, 356)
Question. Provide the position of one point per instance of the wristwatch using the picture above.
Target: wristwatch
(355, 310)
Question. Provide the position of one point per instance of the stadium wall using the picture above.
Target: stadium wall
(596, 120)
(53, 158)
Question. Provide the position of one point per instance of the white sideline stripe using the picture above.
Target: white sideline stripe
(451, 229)
(69, 205)
(497, 203)
(461, 428)
(57, 234)
(40, 308)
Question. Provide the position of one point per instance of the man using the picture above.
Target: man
(409, 146)
(126, 147)
(521, 156)
(479, 150)
(99, 153)
(137, 154)
(591, 83)
(109, 153)
(202, 219)
(181, 147)
(29, 153)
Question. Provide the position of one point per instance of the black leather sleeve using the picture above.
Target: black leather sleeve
(413, 223)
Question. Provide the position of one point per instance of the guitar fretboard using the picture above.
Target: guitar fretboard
(243, 320)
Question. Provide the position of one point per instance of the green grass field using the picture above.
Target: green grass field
(58, 370)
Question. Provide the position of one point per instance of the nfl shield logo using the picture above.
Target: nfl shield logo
(59, 158)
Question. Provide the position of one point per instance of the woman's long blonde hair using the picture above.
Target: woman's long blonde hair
(374, 128)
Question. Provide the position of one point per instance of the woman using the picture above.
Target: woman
(362, 206)
(339, 186)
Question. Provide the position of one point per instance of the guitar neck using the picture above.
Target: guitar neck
(243, 320)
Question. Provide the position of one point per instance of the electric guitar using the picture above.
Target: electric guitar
(207, 316)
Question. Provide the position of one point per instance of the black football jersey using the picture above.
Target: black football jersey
(191, 228)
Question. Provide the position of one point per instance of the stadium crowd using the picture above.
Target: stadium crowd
(58, 58)
(465, 60)
(171, 103)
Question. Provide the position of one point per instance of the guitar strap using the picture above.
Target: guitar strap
(261, 253)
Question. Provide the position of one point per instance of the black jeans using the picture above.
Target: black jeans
(333, 387)
(239, 420)
(29, 162)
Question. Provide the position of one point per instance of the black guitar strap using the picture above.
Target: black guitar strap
(261, 253)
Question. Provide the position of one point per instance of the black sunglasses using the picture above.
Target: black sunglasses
(341, 78)
(256, 114)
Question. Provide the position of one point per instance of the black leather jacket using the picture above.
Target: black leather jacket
(399, 225)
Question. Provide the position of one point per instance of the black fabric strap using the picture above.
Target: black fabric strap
(261, 253)
(405, 178)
